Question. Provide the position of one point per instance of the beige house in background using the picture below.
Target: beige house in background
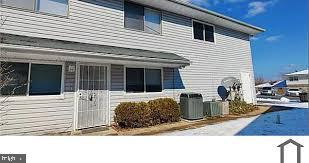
(299, 80)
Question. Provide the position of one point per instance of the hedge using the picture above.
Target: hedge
(238, 107)
(141, 114)
(164, 110)
(132, 115)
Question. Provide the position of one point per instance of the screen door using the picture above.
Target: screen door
(92, 97)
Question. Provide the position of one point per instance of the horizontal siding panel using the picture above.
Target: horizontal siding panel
(38, 119)
(36, 113)
(40, 130)
(49, 123)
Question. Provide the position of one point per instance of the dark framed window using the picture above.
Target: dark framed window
(42, 79)
(143, 80)
(203, 32)
(141, 18)
(15, 75)
(56, 7)
(209, 33)
(152, 21)
(45, 79)
(198, 30)
(135, 80)
(133, 16)
(153, 80)
(293, 78)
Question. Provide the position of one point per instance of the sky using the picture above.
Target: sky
(283, 47)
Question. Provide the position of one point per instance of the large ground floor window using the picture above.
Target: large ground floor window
(143, 80)
(23, 79)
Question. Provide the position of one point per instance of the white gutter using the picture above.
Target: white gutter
(188, 4)
(185, 8)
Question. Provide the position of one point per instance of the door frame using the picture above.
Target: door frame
(76, 96)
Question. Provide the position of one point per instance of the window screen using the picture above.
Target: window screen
(58, 7)
(152, 21)
(25, 4)
(135, 80)
(18, 75)
(133, 16)
(209, 33)
(198, 31)
(153, 80)
(45, 79)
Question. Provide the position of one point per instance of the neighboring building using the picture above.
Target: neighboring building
(298, 80)
(272, 88)
(76, 60)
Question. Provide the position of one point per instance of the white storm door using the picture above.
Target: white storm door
(92, 97)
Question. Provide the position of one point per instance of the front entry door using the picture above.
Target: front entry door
(92, 97)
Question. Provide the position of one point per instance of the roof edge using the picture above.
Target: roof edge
(187, 4)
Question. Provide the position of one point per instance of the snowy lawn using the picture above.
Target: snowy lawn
(292, 122)
(282, 102)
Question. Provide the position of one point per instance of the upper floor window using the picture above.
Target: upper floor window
(141, 18)
(25, 4)
(203, 32)
(293, 78)
(57, 7)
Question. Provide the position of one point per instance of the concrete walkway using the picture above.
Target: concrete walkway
(288, 122)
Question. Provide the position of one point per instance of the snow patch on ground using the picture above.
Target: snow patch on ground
(293, 122)
(290, 105)
(282, 102)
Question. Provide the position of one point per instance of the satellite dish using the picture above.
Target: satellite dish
(229, 82)
(223, 93)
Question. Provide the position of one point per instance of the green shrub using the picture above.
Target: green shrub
(141, 114)
(164, 110)
(132, 115)
(240, 107)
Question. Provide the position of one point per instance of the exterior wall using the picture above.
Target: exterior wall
(172, 87)
(40, 115)
(101, 22)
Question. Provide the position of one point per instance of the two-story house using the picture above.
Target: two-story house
(74, 61)
(298, 80)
